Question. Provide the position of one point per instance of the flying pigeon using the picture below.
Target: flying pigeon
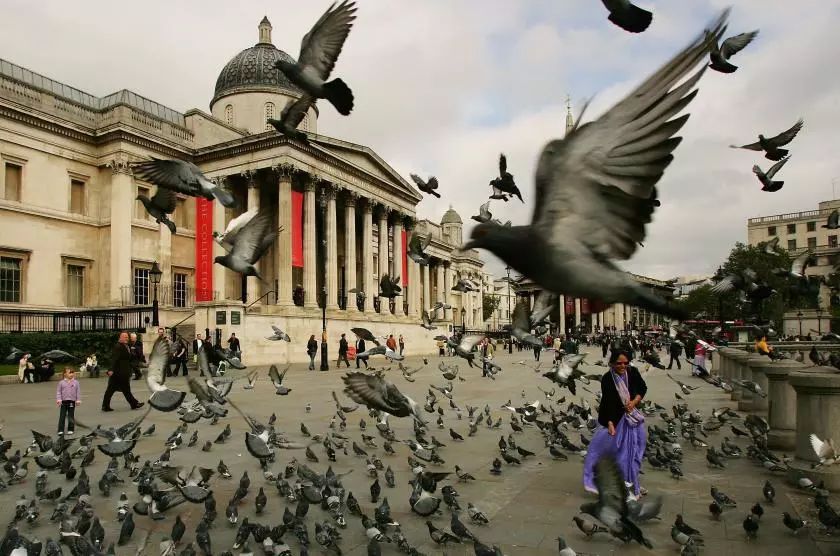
(319, 51)
(163, 202)
(278, 335)
(250, 244)
(766, 178)
(730, 47)
(226, 238)
(417, 249)
(182, 177)
(277, 380)
(504, 183)
(628, 16)
(595, 191)
(291, 116)
(378, 393)
(163, 398)
(429, 187)
(771, 146)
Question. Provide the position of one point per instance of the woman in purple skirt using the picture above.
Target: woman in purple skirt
(621, 432)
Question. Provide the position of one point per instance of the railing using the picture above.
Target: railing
(376, 304)
(789, 216)
(266, 294)
(132, 318)
(168, 296)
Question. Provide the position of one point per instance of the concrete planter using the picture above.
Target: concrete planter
(781, 413)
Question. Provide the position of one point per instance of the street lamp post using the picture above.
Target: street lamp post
(819, 321)
(510, 320)
(799, 316)
(325, 362)
(463, 321)
(154, 276)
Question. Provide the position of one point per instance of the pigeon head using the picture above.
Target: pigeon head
(505, 242)
(286, 67)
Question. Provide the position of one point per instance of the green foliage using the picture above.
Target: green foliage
(78, 344)
(490, 304)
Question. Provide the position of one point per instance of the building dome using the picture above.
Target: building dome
(253, 69)
(451, 217)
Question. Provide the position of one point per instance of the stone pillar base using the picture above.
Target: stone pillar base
(781, 439)
(830, 475)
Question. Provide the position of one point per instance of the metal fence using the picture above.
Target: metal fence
(131, 318)
(168, 296)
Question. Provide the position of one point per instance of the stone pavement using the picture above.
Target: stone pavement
(529, 505)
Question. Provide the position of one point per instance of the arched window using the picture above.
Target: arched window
(229, 114)
(304, 125)
(269, 114)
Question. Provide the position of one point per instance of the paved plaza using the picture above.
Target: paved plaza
(528, 505)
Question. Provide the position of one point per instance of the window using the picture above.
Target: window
(182, 215)
(811, 226)
(229, 114)
(375, 266)
(304, 124)
(139, 210)
(791, 228)
(812, 242)
(77, 196)
(832, 241)
(269, 115)
(75, 286)
(10, 277)
(14, 174)
(141, 286)
(771, 230)
(179, 289)
(791, 244)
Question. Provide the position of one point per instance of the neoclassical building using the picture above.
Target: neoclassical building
(73, 236)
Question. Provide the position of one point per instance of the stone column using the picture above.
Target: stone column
(738, 363)
(367, 256)
(414, 289)
(350, 249)
(383, 257)
(562, 323)
(747, 397)
(757, 369)
(284, 236)
(252, 282)
(781, 414)
(122, 205)
(577, 313)
(396, 238)
(332, 250)
(447, 290)
(310, 245)
(427, 295)
(817, 412)
(439, 282)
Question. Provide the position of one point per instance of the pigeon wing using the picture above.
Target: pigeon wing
(786, 137)
(295, 110)
(368, 390)
(321, 46)
(484, 211)
(824, 450)
(432, 183)
(275, 377)
(800, 263)
(171, 174)
(203, 360)
(597, 184)
(733, 45)
(419, 181)
(612, 492)
(469, 342)
(363, 333)
(776, 167)
(165, 199)
(521, 317)
(254, 238)
(502, 164)
(158, 363)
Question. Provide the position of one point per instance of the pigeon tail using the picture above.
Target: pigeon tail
(167, 400)
(723, 66)
(776, 154)
(339, 95)
(169, 224)
(632, 18)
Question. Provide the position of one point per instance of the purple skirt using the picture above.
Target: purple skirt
(627, 447)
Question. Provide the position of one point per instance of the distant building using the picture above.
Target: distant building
(684, 285)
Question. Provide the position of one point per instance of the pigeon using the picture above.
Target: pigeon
(428, 187)
(278, 335)
(389, 287)
(521, 325)
(291, 117)
(792, 523)
(596, 192)
(378, 393)
(440, 536)
(163, 398)
(833, 221)
(277, 380)
(427, 323)
(163, 202)
(181, 177)
(504, 183)
(417, 249)
(751, 526)
(250, 245)
(824, 450)
(769, 492)
(771, 146)
(626, 15)
(319, 51)
(484, 214)
(587, 527)
(766, 178)
(611, 508)
(731, 46)
(226, 238)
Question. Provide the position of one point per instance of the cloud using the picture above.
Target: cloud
(443, 87)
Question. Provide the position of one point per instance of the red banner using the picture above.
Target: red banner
(203, 249)
(598, 306)
(297, 229)
(570, 305)
(404, 258)
(584, 306)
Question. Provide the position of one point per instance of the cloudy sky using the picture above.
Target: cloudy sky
(443, 86)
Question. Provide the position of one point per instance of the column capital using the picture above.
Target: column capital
(120, 164)
(284, 170)
(310, 181)
(220, 181)
(327, 192)
(250, 176)
(382, 210)
(368, 205)
(351, 198)
(408, 222)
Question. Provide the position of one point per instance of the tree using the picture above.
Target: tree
(490, 304)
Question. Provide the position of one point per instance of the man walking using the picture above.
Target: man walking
(233, 345)
(391, 343)
(360, 348)
(180, 357)
(342, 352)
(674, 350)
(119, 375)
(402, 344)
(137, 357)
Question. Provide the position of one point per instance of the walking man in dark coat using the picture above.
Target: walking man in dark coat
(342, 352)
(360, 348)
(119, 375)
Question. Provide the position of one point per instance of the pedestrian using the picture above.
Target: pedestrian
(311, 350)
(342, 352)
(26, 370)
(605, 346)
(180, 357)
(537, 350)
(119, 375)
(233, 346)
(674, 350)
(360, 348)
(402, 344)
(46, 370)
(137, 357)
(441, 348)
(621, 431)
(699, 368)
(92, 366)
(68, 395)
(391, 343)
